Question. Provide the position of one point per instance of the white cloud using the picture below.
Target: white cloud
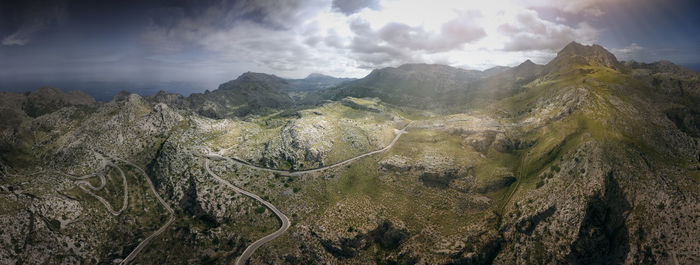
(528, 32)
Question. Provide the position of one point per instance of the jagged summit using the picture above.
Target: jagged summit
(526, 63)
(576, 53)
(527, 68)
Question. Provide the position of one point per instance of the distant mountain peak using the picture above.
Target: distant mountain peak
(253, 76)
(580, 49)
(526, 63)
(527, 68)
(572, 47)
(317, 75)
(576, 53)
(253, 81)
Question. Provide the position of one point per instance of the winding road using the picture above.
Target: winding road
(243, 259)
(87, 187)
(160, 230)
(82, 184)
(252, 247)
(313, 170)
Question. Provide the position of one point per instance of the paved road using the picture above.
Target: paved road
(283, 218)
(300, 172)
(252, 247)
(87, 187)
(82, 184)
(160, 230)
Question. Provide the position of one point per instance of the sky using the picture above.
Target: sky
(198, 44)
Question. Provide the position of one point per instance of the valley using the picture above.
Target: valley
(584, 160)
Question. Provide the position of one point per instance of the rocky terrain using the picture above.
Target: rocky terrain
(585, 160)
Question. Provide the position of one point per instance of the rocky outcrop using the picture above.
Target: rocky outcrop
(385, 236)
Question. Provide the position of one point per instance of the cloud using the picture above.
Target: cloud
(529, 32)
(293, 38)
(396, 43)
(35, 17)
(253, 37)
(593, 8)
(280, 14)
(453, 35)
(211, 41)
(632, 51)
(350, 7)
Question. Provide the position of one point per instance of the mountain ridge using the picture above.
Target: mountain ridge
(573, 162)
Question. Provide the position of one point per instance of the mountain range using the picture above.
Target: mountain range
(583, 160)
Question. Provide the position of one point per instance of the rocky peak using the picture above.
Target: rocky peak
(121, 96)
(576, 53)
(128, 98)
(251, 80)
(171, 99)
(527, 68)
(526, 63)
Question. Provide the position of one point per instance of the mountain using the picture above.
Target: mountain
(495, 70)
(253, 93)
(315, 81)
(18, 107)
(47, 99)
(584, 160)
(499, 85)
(577, 54)
(410, 84)
(438, 87)
(249, 93)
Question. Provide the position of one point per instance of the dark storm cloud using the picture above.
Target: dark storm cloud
(223, 14)
(256, 34)
(21, 20)
(349, 7)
